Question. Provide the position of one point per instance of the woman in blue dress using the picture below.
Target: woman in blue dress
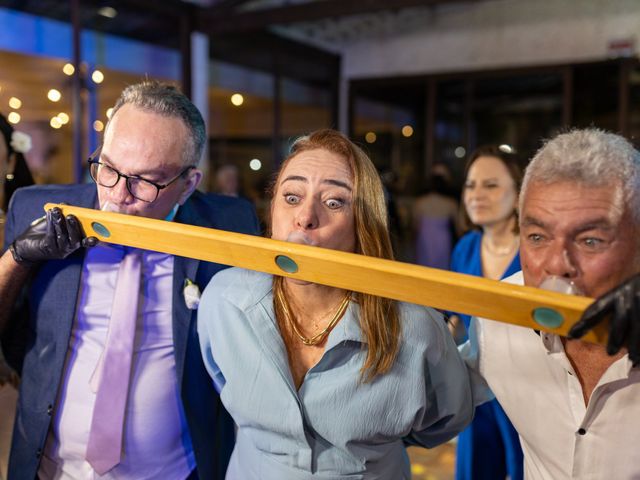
(323, 383)
(489, 448)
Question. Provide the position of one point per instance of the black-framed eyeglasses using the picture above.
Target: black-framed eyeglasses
(140, 188)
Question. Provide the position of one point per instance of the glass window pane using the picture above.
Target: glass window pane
(305, 108)
(450, 135)
(241, 127)
(634, 105)
(389, 123)
(595, 96)
(518, 111)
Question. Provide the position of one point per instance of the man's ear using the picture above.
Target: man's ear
(194, 177)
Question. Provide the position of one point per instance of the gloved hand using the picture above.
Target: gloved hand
(622, 304)
(51, 237)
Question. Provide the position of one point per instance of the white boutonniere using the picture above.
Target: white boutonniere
(191, 294)
(20, 142)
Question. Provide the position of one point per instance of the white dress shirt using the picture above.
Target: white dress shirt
(156, 439)
(562, 438)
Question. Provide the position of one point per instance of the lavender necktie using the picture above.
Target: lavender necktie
(107, 425)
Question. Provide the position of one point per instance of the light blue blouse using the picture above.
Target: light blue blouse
(334, 426)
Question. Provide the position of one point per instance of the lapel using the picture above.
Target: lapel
(256, 303)
(183, 268)
(86, 197)
(262, 321)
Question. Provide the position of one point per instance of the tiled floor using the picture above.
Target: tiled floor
(433, 464)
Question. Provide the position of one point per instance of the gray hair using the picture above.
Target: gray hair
(166, 100)
(591, 157)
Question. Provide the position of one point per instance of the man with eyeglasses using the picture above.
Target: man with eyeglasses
(171, 423)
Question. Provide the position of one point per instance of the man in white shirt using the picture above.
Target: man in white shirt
(575, 406)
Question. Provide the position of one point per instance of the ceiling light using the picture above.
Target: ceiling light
(255, 164)
(109, 112)
(459, 152)
(63, 117)
(108, 12)
(68, 69)
(54, 95)
(15, 103)
(97, 76)
(237, 99)
(506, 148)
(98, 126)
(370, 137)
(13, 117)
(407, 131)
(55, 122)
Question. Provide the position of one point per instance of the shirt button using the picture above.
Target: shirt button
(39, 453)
(49, 409)
(582, 431)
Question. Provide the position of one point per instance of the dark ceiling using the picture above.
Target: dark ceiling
(238, 31)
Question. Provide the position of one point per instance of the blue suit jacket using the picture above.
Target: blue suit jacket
(52, 299)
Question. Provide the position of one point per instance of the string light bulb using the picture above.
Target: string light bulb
(15, 103)
(97, 76)
(407, 131)
(237, 99)
(13, 117)
(54, 95)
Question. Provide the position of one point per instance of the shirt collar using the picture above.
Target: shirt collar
(172, 213)
(348, 328)
(552, 343)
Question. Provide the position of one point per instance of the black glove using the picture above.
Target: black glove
(623, 305)
(50, 237)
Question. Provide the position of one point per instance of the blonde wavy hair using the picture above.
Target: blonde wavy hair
(379, 318)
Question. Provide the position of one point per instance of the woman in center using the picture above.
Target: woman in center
(322, 382)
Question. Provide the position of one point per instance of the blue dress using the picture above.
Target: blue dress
(489, 448)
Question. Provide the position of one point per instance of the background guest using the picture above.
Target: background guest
(435, 216)
(227, 180)
(489, 447)
(14, 173)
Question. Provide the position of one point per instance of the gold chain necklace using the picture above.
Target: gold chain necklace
(319, 337)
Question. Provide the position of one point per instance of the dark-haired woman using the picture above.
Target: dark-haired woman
(489, 448)
(13, 174)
